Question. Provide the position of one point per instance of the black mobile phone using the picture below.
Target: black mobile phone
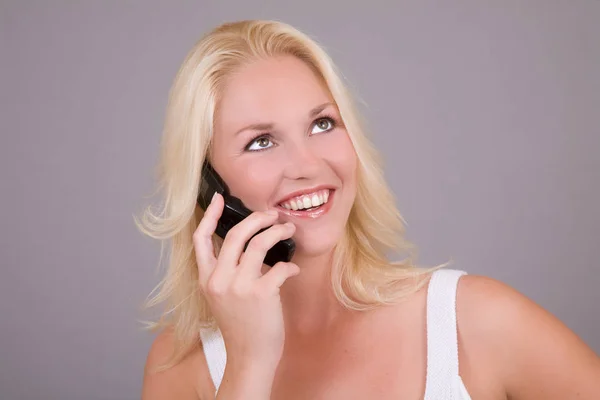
(234, 212)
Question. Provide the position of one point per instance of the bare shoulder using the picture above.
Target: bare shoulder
(534, 355)
(189, 379)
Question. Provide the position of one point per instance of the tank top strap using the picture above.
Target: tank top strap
(215, 354)
(442, 336)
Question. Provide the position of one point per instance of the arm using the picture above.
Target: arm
(535, 355)
(246, 382)
(188, 380)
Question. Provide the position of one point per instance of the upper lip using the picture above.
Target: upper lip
(302, 192)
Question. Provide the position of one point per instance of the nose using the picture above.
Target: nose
(302, 162)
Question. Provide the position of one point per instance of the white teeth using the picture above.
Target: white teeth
(315, 200)
(307, 201)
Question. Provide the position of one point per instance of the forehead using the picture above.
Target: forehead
(269, 90)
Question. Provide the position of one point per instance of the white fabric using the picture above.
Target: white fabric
(215, 354)
(443, 381)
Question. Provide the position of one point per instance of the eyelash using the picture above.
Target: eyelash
(331, 119)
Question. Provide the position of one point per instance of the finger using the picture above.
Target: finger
(273, 279)
(236, 238)
(253, 258)
(202, 238)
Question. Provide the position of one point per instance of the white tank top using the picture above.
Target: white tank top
(443, 381)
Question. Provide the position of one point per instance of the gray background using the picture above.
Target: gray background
(487, 113)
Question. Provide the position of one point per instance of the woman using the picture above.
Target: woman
(264, 104)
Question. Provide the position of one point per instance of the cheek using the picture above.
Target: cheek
(344, 159)
(253, 183)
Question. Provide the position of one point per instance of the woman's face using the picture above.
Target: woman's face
(279, 143)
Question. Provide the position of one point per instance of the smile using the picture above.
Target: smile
(310, 205)
(307, 201)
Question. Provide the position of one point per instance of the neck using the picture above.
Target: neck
(309, 304)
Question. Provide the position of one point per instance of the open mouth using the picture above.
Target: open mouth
(308, 202)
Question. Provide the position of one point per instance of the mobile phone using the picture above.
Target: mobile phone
(234, 212)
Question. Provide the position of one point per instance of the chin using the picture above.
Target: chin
(316, 244)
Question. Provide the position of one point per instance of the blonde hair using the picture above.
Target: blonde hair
(361, 276)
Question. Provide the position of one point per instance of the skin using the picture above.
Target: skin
(509, 348)
(299, 157)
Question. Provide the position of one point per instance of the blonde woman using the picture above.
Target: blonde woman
(264, 104)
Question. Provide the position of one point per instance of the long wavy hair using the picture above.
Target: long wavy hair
(362, 277)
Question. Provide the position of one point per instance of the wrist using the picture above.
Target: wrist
(252, 368)
(245, 379)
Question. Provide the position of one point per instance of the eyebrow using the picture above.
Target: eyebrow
(269, 126)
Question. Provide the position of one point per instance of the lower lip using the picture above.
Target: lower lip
(316, 213)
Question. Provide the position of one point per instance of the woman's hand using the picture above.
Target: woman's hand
(245, 303)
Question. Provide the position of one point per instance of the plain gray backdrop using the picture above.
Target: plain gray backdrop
(486, 112)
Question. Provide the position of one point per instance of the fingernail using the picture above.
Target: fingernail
(213, 197)
(272, 212)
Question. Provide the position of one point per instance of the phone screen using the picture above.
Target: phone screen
(234, 212)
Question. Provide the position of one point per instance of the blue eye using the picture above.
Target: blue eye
(260, 143)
